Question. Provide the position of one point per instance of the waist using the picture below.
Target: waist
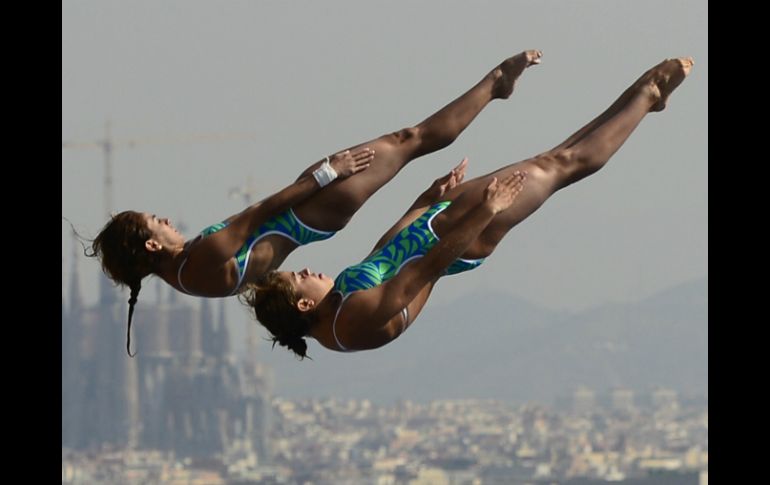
(412, 242)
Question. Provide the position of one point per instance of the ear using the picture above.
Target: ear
(152, 245)
(305, 304)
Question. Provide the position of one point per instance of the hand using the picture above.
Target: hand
(347, 163)
(500, 195)
(449, 181)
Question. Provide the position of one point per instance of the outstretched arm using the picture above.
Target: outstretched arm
(432, 195)
(378, 305)
(221, 246)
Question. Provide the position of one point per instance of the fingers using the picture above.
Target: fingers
(455, 176)
(514, 182)
(462, 164)
(502, 193)
(445, 178)
(362, 154)
(347, 163)
(455, 179)
(362, 164)
(516, 177)
(459, 171)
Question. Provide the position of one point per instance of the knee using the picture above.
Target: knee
(555, 161)
(566, 160)
(407, 142)
(428, 138)
(406, 135)
(566, 165)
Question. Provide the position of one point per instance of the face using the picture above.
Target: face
(309, 285)
(163, 232)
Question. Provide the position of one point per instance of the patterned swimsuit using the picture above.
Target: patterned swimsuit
(286, 225)
(414, 241)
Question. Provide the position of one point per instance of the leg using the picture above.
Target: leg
(610, 112)
(592, 148)
(332, 208)
(584, 153)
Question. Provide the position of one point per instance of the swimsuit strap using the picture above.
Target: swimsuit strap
(179, 277)
(186, 251)
(334, 323)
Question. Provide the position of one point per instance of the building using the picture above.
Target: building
(583, 400)
(184, 391)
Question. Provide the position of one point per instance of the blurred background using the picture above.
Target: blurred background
(577, 352)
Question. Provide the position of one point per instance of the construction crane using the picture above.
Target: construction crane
(108, 145)
(247, 192)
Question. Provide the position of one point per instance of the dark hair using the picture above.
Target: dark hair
(275, 305)
(120, 247)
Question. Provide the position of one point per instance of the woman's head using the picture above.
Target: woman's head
(120, 247)
(128, 251)
(284, 302)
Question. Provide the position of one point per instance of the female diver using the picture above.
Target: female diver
(449, 229)
(244, 247)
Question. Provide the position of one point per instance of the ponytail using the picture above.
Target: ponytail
(274, 303)
(296, 344)
(120, 247)
(135, 287)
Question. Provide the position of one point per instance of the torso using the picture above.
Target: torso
(263, 251)
(411, 243)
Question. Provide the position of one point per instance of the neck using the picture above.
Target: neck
(325, 313)
(171, 258)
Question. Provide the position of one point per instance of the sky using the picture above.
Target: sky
(237, 94)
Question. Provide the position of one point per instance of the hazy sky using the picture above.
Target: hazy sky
(308, 78)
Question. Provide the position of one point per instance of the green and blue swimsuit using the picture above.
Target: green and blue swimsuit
(412, 242)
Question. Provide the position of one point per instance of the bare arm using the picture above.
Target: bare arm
(377, 306)
(220, 247)
(432, 195)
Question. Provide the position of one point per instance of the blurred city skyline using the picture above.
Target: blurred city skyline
(661, 341)
(187, 409)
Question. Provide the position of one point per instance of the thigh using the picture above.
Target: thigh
(331, 208)
(541, 183)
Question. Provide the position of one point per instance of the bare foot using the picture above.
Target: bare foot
(506, 74)
(664, 78)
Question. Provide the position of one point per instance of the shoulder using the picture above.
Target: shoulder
(213, 229)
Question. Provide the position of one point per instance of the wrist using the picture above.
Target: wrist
(488, 207)
(425, 197)
(325, 174)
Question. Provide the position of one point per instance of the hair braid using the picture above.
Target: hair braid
(120, 247)
(135, 287)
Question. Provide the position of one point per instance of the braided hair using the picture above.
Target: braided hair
(135, 287)
(275, 305)
(120, 247)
